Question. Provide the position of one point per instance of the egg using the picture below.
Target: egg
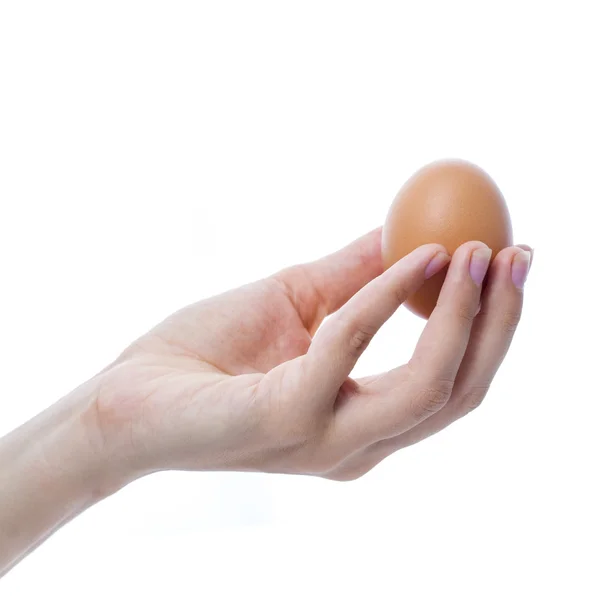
(448, 202)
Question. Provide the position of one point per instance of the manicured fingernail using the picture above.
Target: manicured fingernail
(520, 268)
(440, 260)
(480, 261)
(528, 249)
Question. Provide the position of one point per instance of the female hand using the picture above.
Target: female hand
(238, 382)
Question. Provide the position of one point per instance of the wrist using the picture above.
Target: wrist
(50, 471)
(92, 466)
(58, 449)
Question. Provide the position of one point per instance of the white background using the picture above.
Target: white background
(154, 153)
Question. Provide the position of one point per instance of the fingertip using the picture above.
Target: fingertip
(437, 263)
(470, 260)
(508, 274)
(437, 249)
(370, 241)
(471, 246)
(527, 249)
(506, 255)
(465, 251)
(479, 264)
(426, 252)
(505, 259)
(524, 247)
(425, 260)
(520, 268)
(434, 248)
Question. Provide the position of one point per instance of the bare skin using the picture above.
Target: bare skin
(253, 380)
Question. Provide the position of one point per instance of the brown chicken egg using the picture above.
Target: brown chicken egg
(448, 202)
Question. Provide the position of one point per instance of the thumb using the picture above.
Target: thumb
(344, 337)
(320, 287)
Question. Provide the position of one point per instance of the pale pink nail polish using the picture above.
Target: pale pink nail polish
(436, 264)
(480, 260)
(520, 268)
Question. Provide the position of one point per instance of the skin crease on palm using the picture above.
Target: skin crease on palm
(255, 380)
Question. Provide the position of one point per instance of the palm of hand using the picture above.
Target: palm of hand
(247, 330)
(206, 361)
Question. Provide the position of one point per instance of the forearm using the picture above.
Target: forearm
(50, 471)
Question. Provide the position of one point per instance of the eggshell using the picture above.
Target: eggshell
(449, 202)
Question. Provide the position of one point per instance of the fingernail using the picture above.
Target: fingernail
(520, 268)
(480, 260)
(440, 260)
(528, 249)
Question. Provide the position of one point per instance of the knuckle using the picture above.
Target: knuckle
(319, 461)
(346, 476)
(351, 473)
(360, 337)
(466, 314)
(330, 457)
(314, 454)
(432, 398)
(401, 292)
(510, 321)
(474, 397)
(294, 452)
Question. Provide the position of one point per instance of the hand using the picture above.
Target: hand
(238, 382)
